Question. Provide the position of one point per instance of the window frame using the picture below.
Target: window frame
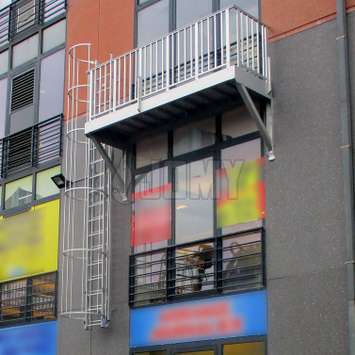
(28, 306)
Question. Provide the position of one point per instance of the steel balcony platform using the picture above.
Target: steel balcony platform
(196, 70)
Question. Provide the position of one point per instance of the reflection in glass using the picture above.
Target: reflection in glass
(242, 262)
(153, 22)
(51, 96)
(241, 196)
(237, 123)
(150, 278)
(4, 62)
(54, 36)
(3, 106)
(151, 220)
(25, 51)
(250, 6)
(194, 136)
(186, 14)
(151, 150)
(45, 187)
(18, 193)
(194, 201)
(194, 268)
(244, 349)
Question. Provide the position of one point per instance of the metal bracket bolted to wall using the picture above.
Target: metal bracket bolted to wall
(249, 103)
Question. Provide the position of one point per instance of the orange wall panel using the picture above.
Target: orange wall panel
(107, 24)
(287, 17)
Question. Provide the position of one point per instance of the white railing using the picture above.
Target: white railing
(225, 38)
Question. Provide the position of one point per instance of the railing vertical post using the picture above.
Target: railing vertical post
(91, 87)
(114, 88)
(228, 48)
(139, 80)
(167, 62)
(196, 51)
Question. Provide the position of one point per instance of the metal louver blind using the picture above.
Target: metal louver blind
(22, 90)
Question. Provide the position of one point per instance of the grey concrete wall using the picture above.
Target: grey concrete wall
(72, 338)
(305, 242)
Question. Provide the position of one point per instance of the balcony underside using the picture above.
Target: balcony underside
(209, 94)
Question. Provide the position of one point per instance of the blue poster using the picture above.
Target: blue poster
(218, 317)
(33, 339)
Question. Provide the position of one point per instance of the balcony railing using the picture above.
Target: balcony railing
(32, 147)
(226, 38)
(24, 14)
(28, 299)
(225, 264)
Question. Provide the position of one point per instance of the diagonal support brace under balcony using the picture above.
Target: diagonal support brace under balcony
(249, 103)
(110, 165)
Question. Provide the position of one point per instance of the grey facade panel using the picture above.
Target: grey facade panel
(304, 225)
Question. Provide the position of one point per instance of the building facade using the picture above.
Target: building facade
(202, 152)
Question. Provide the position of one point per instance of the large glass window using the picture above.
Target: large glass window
(241, 198)
(54, 36)
(25, 51)
(3, 106)
(194, 136)
(151, 221)
(186, 13)
(153, 22)
(194, 201)
(250, 6)
(45, 187)
(151, 150)
(51, 96)
(18, 193)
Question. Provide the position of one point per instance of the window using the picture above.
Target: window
(194, 201)
(54, 36)
(51, 96)
(153, 22)
(22, 101)
(53, 8)
(242, 262)
(25, 14)
(151, 221)
(25, 51)
(45, 187)
(150, 279)
(194, 136)
(28, 299)
(236, 123)
(151, 150)
(240, 203)
(18, 193)
(4, 62)
(3, 106)
(250, 6)
(244, 349)
(186, 14)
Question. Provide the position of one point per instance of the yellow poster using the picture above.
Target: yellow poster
(29, 242)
